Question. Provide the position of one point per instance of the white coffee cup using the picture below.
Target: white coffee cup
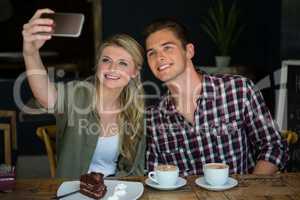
(164, 175)
(216, 174)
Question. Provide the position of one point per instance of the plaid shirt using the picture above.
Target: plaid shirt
(232, 125)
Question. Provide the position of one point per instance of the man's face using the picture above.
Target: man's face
(166, 56)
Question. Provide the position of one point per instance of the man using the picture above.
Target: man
(205, 118)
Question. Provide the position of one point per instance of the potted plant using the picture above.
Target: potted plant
(223, 28)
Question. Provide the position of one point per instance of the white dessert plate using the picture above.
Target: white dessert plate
(228, 185)
(134, 190)
(180, 182)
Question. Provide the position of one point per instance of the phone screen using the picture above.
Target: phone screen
(66, 24)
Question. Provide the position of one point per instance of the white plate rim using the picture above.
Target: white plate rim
(76, 182)
(216, 188)
(156, 186)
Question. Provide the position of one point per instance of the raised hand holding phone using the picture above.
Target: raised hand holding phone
(45, 23)
(32, 40)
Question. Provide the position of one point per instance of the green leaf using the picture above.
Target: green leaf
(237, 35)
(210, 33)
(222, 27)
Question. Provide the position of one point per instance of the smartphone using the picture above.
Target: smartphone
(66, 24)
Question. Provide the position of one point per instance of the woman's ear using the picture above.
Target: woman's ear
(190, 51)
(135, 73)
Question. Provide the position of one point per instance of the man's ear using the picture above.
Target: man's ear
(190, 51)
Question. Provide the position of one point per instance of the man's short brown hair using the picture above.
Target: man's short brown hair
(173, 25)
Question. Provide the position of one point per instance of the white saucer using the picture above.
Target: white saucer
(180, 182)
(229, 184)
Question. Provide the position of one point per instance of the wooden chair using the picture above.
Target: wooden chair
(48, 135)
(292, 139)
(10, 134)
(7, 143)
(13, 125)
(290, 136)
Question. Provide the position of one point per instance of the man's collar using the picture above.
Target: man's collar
(208, 92)
(208, 87)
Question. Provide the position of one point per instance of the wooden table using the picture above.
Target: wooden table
(278, 187)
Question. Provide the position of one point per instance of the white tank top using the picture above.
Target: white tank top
(105, 156)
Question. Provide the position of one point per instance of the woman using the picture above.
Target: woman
(99, 120)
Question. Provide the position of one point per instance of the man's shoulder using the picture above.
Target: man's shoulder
(229, 79)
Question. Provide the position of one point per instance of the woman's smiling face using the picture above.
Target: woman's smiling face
(115, 67)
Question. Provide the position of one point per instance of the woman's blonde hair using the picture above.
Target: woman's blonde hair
(131, 117)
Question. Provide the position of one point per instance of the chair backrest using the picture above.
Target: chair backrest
(11, 114)
(48, 135)
(290, 136)
(7, 142)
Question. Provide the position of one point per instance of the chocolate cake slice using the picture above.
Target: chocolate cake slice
(92, 185)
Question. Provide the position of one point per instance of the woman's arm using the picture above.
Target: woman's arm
(43, 90)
